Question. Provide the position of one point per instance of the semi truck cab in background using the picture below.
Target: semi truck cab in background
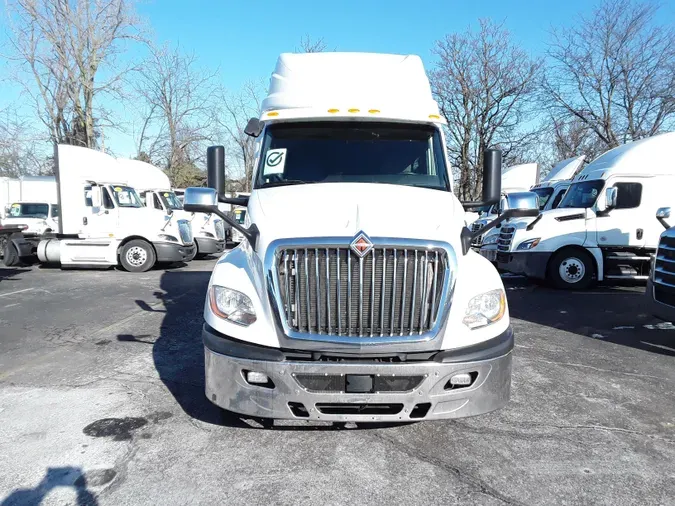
(661, 284)
(354, 309)
(606, 225)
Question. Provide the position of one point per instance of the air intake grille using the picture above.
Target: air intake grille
(664, 271)
(220, 229)
(389, 292)
(505, 238)
(185, 230)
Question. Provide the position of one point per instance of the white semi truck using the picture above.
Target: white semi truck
(517, 178)
(102, 221)
(661, 284)
(549, 193)
(605, 227)
(154, 188)
(340, 304)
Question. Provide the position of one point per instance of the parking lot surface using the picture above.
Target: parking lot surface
(101, 402)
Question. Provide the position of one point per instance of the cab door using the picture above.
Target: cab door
(624, 224)
(101, 215)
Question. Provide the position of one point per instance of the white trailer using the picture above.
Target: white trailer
(154, 187)
(103, 222)
(390, 315)
(605, 227)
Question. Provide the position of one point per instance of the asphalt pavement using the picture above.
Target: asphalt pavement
(101, 402)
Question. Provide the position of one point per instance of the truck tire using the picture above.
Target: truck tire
(571, 269)
(137, 256)
(11, 255)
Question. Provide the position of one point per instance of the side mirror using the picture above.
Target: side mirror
(662, 214)
(492, 179)
(254, 127)
(96, 196)
(200, 200)
(611, 195)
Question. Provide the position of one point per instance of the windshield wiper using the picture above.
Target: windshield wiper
(286, 182)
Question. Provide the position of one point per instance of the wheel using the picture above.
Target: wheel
(137, 256)
(11, 255)
(571, 269)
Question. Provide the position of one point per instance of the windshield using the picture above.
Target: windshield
(354, 152)
(582, 194)
(544, 194)
(29, 210)
(126, 196)
(240, 215)
(170, 200)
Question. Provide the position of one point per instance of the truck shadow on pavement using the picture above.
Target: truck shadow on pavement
(54, 477)
(10, 274)
(615, 314)
(178, 354)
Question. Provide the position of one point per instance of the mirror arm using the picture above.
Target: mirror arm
(237, 201)
(251, 233)
(663, 222)
(467, 236)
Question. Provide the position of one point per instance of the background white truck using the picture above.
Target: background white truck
(517, 178)
(661, 284)
(103, 221)
(606, 225)
(340, 304)
(154, 188)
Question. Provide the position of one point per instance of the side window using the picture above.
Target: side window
(557, 199)
(107, 201)
(157, 204)
(629, 195)
(87, 196)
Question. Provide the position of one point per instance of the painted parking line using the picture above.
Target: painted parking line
(14, 293)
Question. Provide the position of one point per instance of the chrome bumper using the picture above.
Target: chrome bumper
(227, 387)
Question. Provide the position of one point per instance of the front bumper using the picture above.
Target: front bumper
(532, 264)
(663, 311)
(227, 360)
(489, 252)
(172, 252)
(209, 246)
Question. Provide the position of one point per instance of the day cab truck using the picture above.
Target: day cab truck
(154, 188)
(341, 305)
(517, 178)
(102, 220)
(605, 228)
(549, 193)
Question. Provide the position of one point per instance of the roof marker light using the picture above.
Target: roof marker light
(333, 111)
(273, 113)
(434, 116)
(374, 111)
(353, 110)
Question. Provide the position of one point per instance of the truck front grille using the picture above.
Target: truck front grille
(389, 292)
(505, 238)
(220, 229)
(478, 240)
(664, 272)
(185, 231)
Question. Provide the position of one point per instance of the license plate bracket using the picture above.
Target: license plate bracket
(359, 383)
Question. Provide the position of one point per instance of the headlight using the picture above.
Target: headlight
(231, 305)
(491, 239)
(484, 309)
(168, 237)
(529, 244)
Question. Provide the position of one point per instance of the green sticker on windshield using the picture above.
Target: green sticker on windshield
(275, 159)
(118, 188)
(16, 205)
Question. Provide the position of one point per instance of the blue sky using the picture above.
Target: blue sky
(243, 38)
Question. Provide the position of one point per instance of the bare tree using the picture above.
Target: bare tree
(238, 108)
(307, 45)
(20, 153)
(614, 73)
(60, 47)
(484, 84)
(179, 99)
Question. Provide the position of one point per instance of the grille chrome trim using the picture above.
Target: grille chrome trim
(505, 238)
(398, 334)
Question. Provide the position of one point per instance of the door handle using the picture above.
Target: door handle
(639, 233)
(84, 221)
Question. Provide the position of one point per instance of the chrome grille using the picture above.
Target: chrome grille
(505, 238)
(475, 227)
(220, 229)
(185, 231)
(389, 292)
(664, 271)
(478, 240)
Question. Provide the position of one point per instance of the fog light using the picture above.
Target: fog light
(463, 379)
(257, 377)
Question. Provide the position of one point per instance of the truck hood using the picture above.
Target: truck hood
(344, 209)
(35, 225)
